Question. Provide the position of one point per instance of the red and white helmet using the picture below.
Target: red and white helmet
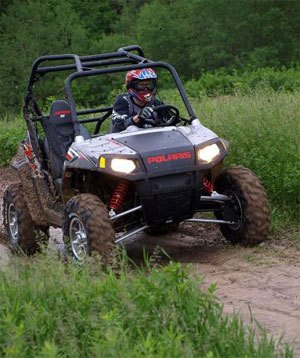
(141, 84)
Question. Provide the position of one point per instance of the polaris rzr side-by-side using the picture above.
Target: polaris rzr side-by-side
(102, 189)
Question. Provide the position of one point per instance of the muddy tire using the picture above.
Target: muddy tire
(249, 206)
(23, 235)
(87, 227)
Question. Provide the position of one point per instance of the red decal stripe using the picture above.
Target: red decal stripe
(69, 157)
(59, 113)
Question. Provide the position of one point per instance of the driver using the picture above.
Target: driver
(136, 106)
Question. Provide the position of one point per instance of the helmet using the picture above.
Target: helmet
(141, 84)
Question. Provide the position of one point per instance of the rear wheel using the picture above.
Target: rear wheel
(248, 207)
(22, 233)
(87, 227)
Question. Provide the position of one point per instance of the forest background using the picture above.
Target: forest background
(216, 41)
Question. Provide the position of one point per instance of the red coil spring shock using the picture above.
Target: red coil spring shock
(119, 194)
(207, 186)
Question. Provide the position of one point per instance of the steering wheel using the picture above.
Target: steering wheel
(171, 115)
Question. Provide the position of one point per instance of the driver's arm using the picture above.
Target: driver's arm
(136, 119)
(121, 117)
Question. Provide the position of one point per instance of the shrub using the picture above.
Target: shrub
(12, 131)
(221, 82)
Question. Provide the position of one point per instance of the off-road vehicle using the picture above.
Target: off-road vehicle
(102, 189)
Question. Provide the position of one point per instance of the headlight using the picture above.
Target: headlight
(123, 165)
(207, 154)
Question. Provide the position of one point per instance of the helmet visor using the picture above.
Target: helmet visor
(145, 85)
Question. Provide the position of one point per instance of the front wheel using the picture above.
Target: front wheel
(22, 233)
(248, 206)
(87, 227)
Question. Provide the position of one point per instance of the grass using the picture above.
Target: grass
(223, 82)
(12, 131)
(51, 309)
(290, 237)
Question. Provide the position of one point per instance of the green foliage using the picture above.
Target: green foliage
(162, 28)
(195, 36)
(12, 131)
(97, 17)
(235, 33)
(4, 4)
(51, 309)
(25, 35)
(209, 34)
(221, 82)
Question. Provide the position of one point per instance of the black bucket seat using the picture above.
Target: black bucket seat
(59, 130)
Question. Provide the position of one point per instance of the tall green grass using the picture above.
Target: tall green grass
(223, 82)
(12, 131)
(50, 309)
(263, 130)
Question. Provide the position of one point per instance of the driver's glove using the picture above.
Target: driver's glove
(148, 123)
(145, 114)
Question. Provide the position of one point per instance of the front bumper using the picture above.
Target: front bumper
(169, 198)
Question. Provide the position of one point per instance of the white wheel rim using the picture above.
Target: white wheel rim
(12, 218)
(78, 238)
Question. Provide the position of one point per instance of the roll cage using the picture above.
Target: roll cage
(122, 60)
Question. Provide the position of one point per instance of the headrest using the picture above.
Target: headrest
(60, 111)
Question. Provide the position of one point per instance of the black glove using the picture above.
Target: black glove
(145, 114)
(148, 123)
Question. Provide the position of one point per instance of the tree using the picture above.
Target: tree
(4, 4)
(194, 35)
(97, 17)
(209, 34)
(30, 30)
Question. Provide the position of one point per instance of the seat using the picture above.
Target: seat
(59, 131)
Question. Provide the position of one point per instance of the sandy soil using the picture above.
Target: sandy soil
(262, 283)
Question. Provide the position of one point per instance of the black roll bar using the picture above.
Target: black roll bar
(35, 71)
(132, 48)
(86, 66)
(167, 66)
(85, 62)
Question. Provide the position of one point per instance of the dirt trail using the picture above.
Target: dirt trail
(263, 283)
